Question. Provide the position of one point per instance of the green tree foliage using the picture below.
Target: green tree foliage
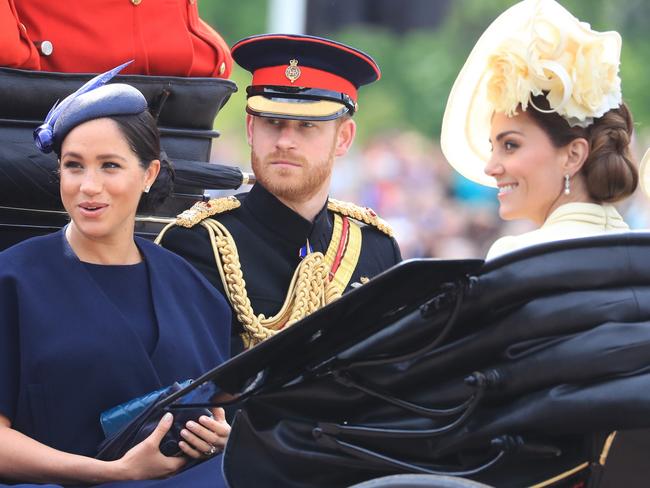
(419, 67)
(235, 20)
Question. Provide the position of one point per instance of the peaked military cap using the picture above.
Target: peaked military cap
(303, 77)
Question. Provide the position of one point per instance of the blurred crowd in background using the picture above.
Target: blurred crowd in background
(395, 165)
(434, 211)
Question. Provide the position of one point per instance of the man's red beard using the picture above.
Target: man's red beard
(295, 185)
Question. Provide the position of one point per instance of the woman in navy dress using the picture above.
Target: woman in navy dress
(92, 316)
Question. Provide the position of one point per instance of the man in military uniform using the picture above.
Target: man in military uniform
(285, 249)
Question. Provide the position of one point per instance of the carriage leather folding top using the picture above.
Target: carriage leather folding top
(511, 372)
(339, 325)
(516, 375)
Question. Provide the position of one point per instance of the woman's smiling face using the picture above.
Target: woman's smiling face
(101, 180)
(527, 167)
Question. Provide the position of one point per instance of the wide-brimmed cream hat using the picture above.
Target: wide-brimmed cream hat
(534, 47)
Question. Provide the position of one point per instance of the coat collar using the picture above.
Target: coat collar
(604, 216)
(280, 219)
(149, 367)
(165, 322)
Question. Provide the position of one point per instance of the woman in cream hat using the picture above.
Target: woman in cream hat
(537, 112)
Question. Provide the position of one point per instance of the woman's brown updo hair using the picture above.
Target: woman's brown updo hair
(610, 174)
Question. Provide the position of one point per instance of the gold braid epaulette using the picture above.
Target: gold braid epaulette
(362, 214)
(309, 290)
(310, 287)
(202, 210)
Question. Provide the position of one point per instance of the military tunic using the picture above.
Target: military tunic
(269, 236)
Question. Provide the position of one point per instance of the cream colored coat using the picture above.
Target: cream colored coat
(568, 221)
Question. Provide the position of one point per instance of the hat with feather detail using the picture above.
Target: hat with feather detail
(93, 100)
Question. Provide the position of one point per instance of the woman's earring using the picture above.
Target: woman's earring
(567, 185)
(147, 188)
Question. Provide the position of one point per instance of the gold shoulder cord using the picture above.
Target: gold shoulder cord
(309, 290)
(362, 214)
(311, 286)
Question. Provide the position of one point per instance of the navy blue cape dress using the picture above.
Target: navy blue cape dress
(67, 353)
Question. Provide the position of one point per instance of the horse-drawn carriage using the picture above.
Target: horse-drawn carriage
(529, 370)
(526, 370)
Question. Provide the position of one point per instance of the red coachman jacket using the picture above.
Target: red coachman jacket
(162, 37)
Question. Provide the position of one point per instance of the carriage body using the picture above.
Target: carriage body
(510, 373)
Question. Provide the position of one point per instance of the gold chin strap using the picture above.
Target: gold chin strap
(310, 287)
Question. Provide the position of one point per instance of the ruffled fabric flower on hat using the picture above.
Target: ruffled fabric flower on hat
(576, 67)
(536, 47)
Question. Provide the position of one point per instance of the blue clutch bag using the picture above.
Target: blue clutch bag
(114, 419)
(129, 424)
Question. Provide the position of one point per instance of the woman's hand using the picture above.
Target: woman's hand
(207, 437)
(145, 461)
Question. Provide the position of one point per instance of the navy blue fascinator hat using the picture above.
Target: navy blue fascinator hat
(93, 100)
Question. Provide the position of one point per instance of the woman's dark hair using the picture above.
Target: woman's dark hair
(609, 171)
(142, 135)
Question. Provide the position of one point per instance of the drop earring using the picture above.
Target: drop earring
(147, 188)
(567, 185)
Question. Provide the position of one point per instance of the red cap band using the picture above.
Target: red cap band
(309, 78)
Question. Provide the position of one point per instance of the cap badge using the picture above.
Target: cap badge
(292, 72)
